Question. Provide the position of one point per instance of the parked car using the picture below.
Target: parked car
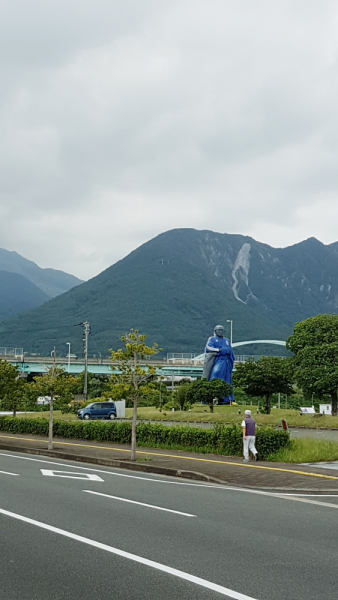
(98, 410)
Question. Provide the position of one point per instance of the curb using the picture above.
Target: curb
(136, 466)
(121, 464)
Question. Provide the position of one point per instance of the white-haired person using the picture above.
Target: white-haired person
(249, 436)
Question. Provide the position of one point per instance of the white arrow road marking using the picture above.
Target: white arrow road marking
(71, 475)
(134, 557)
(7, 473)
(177, 512)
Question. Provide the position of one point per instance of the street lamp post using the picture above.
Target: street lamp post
(231, 322)
(68, 344)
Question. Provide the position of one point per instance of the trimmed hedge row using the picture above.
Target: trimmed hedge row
(225, 440)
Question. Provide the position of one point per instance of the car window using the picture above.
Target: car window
(108, 404)
(96, 406)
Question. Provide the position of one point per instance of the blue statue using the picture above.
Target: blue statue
(219, 359)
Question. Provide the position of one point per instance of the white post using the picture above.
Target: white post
(278, 399)
(68, 344)
(231, 322)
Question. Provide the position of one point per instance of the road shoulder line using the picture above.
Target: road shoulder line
(139, 559)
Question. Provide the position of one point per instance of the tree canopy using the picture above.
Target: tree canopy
(12, 392)
(56, 382)
(314, 343)
(206, 391)
(132, 379)
(264, 377)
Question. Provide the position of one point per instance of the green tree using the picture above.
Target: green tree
(133, 378)
(264, 377)
(181, 396)
(314, 343)
(206, 391)
(55, 383)
(12, 392)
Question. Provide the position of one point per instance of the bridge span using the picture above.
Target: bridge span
(180, 367)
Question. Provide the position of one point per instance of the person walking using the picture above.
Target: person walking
(249, 436)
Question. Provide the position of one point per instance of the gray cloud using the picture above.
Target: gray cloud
(122, 119)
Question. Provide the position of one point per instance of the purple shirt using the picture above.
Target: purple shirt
(250, 426)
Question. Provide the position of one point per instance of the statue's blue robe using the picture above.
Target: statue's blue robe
(220, 349)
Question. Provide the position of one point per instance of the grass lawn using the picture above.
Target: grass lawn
(307, 450)
(222, 414)
(230, 414)
(44, 414)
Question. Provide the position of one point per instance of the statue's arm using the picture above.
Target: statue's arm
(210, 348)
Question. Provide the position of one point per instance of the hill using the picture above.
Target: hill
(18, 294)
(52, 282)
(177, 286)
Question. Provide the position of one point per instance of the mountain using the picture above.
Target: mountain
(50, 281)
(18, 294)
(179, 285)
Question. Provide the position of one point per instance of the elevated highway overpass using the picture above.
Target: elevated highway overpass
(193, 367)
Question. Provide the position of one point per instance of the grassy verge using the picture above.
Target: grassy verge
(230, 414)
(45, 415)
(307, 450)
(222, 414)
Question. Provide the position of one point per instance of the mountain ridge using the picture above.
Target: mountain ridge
(178, 285)
(51, 281)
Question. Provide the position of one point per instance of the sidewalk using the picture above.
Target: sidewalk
(203, 467)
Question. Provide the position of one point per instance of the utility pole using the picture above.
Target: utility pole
(51, 405)
(86, 333)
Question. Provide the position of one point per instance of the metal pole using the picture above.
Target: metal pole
(231, 322)
(68, 344)
(278, 399)
(85, 352)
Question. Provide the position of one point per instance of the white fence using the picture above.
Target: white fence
(8, 352)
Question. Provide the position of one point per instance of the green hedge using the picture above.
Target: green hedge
(225, 440)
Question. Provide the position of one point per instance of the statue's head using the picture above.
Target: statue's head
(219, 330)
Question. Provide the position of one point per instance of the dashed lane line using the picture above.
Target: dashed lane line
(224, 488)
(177, 512)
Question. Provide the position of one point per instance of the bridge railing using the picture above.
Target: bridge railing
(10, 352)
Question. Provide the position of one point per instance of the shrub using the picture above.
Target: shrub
(224, 440)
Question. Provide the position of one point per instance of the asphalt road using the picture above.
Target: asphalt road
(71, 531)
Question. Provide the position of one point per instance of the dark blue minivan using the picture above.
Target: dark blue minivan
(98, 410)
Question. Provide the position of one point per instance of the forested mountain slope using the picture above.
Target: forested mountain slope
(177, 286)
(18, 294)
(51, 281)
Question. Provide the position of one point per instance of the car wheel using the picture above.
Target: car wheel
(86, 417)
(112, 416)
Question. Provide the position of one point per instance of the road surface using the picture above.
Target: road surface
(72, 531)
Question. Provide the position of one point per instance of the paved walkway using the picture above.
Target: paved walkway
(203, 467)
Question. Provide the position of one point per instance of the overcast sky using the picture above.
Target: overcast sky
(121, 119)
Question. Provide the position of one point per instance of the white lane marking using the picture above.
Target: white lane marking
(7, 473)
(310, 501)
(71, 475)
(177, 512)
(224, 488)
(313, 495)
(49, 462)
(134, 557)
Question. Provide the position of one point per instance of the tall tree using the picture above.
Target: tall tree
(55, 383)
(132, 375)
(314, 343)
(12, 393)
(206, 391)
(264, 377)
